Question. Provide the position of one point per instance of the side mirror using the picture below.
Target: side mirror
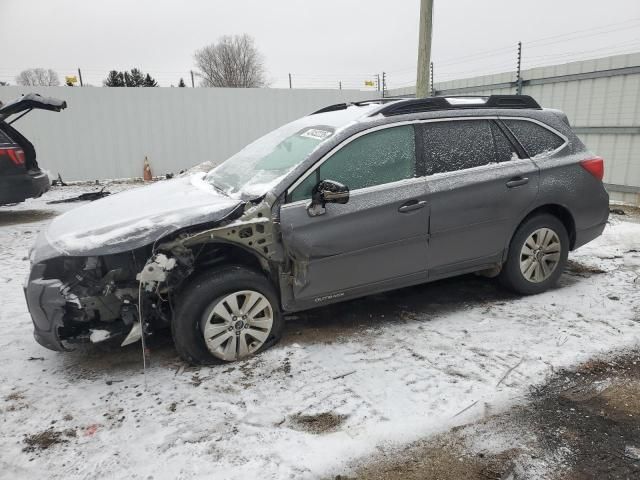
(327, 191)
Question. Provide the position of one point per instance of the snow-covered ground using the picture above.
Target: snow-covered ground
(346, 378)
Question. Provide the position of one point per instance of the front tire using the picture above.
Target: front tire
(226, 315)
(537, 255)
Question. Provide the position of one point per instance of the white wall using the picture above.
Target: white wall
(611, 101)
(106, 132)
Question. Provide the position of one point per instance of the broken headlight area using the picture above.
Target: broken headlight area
(81, 299)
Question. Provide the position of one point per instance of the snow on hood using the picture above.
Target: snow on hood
(133, 218)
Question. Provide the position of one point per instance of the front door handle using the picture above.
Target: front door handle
(517, 181)
(412, 205)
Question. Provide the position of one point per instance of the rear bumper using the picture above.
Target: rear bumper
(17, 188)
(591, 214)
(586, 235)
(46, 306)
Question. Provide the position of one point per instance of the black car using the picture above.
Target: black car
(20, 176)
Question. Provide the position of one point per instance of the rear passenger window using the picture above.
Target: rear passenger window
(535, 139)
(456, 145)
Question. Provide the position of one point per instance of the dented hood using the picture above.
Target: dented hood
(132, 218)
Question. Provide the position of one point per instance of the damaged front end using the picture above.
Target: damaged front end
(101, 297)
(80, 299)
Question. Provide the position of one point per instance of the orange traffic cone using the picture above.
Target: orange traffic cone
(147, 176)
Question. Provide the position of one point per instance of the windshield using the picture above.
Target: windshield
(263, 163)
(258, 167)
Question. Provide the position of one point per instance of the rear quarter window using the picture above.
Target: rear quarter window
(534, 138)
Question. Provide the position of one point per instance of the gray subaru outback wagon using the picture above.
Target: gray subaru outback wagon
(348, 201)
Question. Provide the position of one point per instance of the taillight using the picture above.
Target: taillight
(595, 166)
(16, 155)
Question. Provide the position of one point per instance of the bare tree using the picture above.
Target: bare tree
(232, 62)
(38, 77)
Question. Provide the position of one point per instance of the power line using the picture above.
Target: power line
(587, 31)
(537, 43)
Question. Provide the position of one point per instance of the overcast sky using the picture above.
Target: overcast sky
(320, 42)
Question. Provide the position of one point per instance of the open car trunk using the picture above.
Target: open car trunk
(29, 102)
(22, 106)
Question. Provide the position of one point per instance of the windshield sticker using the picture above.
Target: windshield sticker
(316, 134)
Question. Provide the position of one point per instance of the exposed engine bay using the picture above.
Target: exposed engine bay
(125, 295)
(101, 294)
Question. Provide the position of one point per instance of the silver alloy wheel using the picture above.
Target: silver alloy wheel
(540, 255)
(237, 325)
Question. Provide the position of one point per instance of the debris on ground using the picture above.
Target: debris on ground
(47, 438)
(626, 210)
(582, 270)
(320, 423)
(58, 182)
(83, 197)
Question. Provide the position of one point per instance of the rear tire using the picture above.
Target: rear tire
(226, 315)
(537, 255)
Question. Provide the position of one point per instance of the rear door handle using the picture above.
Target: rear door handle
(516, 182)
(412, 205)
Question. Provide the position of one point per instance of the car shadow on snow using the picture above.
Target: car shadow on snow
(93, 361)
(322, 325)
(420, 303)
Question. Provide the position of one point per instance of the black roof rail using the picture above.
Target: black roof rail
(331, 108)
(361, 103)
(429, 104)
(512, 101)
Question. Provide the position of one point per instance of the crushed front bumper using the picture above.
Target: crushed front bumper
(46, 306)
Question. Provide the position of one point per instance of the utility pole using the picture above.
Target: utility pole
(340, 84)
(384, 84)
(424, 48)
(433, 88)
(193, 84)
(378, 83)
(80, 76)
(290, 81)
(518, 75)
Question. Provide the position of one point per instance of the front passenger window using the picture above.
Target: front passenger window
(376, 158)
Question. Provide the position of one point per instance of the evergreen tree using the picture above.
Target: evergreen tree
(181, 84)
(149, 81)
(114, 79)
(134, 78)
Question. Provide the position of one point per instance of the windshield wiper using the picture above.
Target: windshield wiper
(219, 189)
